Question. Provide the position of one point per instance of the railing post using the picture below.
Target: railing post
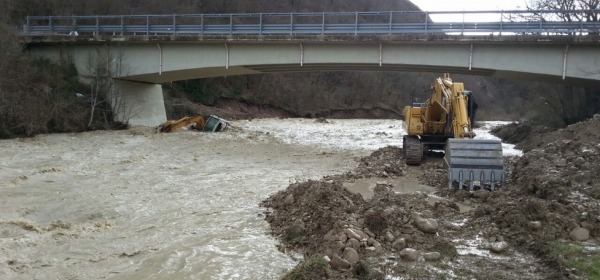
(391, 21)
(122, 26)
(462, 32)
(201, 24)
(50, 23)
(147, 25)
(541, 18)
(260, 27)
(174, 25)
(27, 25)
(426, 21)
(291, 23)
(230, 24)
(355, 23)
(501, 22)
(323, 25)
(97, 25)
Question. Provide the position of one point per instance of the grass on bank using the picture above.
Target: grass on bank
(585, 262)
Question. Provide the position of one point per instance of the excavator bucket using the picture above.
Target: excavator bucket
(474, 161)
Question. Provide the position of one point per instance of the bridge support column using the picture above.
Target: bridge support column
(138, 103)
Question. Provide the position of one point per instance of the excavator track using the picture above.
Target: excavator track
(413, 150)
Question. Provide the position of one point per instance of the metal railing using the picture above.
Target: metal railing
(355, 23)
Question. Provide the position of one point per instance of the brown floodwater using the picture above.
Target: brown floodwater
(139, 205)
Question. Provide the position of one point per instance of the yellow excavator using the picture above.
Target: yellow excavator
(211, 124)
(444, 122)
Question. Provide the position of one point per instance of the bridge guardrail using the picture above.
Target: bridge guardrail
(392, 22)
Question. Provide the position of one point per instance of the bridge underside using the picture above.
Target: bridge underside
(156, 62)
(292, 68)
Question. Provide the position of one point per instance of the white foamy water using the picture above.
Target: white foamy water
(366, 135)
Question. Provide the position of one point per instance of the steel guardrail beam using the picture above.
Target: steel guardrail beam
(325, 23)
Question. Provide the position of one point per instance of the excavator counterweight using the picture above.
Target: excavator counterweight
(443, 122)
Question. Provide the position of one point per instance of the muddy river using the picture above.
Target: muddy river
(139, 205)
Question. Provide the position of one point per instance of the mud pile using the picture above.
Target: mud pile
(516, 133)
(557, 183)
(323, 218)
(385, 162)
(552, 194)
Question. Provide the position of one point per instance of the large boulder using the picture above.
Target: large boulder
(338, 263)
(289, 200)
(399, 244)
(351, 256)
(409, 254)
(427, 225)
(389, 237)
(432, 256)
(579, 234)
(353, 243)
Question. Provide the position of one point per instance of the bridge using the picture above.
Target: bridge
(142, 51)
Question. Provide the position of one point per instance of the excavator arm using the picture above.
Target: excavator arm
(199, 122)
(196, 122)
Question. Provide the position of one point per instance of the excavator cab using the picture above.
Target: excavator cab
(214, 124)
(443, 122)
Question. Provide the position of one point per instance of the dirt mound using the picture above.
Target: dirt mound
(323, 218)
(385, 162)
(515, 133)
(529, 137)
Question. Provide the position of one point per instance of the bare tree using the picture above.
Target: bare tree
(563, 6)
(103, 66)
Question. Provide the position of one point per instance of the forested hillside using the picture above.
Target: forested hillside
(37, 97)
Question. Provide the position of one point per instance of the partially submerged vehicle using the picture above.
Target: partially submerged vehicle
(211, 123)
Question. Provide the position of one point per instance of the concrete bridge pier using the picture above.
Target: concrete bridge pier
(138, 103)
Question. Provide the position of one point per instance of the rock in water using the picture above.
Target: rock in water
(580, 234)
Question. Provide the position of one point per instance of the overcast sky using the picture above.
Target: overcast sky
(469, 5)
